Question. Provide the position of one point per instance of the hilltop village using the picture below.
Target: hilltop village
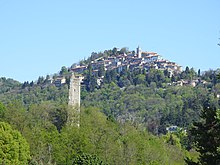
(130, 61)
(127, 60)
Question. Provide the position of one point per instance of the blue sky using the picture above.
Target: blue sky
(39, 37)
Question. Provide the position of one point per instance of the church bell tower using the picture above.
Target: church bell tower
(139, 52)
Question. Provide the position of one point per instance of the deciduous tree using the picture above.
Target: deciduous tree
(14, 149)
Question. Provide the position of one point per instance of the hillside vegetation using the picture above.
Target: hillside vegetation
(124, 115)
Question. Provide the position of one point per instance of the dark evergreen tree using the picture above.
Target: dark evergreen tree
(64, 70)
(205, 134)
(187, 71)
(40, 80)
(92, 84)
(173, 78)
(199, 73)
(101, 71)
(107, 77)
(32, 84)
(114, 51)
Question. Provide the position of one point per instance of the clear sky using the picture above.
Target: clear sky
(39, 37)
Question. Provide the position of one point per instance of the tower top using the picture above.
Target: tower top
(74, 76)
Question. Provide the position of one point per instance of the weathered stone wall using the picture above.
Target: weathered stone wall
(74, 100)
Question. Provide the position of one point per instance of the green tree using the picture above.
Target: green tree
(14, 149)
(15, 115)
(40, 80)
(41, 133)
(114, 51)
(172, 139)
(64, 70)
(2, 111)
(139, 79)
(90, 79)
(187, 71)
(124, 50)
(206, 137)
(199, 73)
(87, 159)
(101, 71)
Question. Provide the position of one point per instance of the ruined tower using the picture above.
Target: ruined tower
(74, 100)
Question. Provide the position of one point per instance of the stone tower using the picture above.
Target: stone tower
(139, 52)
(74, 100)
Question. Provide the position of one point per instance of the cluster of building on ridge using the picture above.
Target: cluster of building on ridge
(130, 61)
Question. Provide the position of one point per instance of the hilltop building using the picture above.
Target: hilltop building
(130, 61)
(59, 81)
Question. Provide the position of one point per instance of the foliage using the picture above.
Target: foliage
(122, 143)
(172, 139)
(14, 149)
(63, 70)
(7, 85)
(120, 115)
(206, 136)
(36, 94)
(86, 159)
(153, 108)
(2, 111)
(110, 141)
